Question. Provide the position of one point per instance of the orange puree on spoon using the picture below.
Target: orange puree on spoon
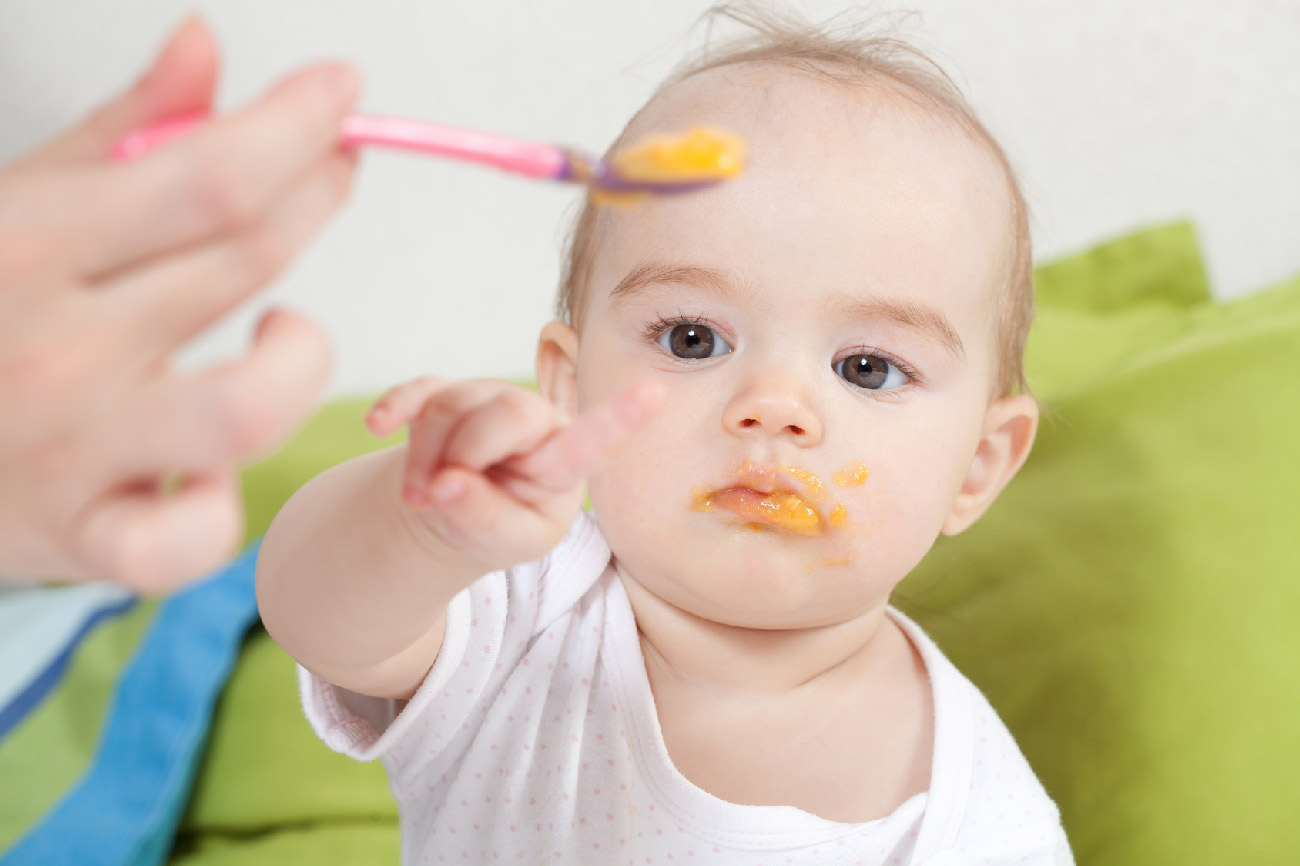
(698, 154)
(701, 154)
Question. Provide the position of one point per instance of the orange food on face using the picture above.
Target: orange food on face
(698, 154)
(813, 487)
(753, 500)
(853, 476)
(781, 510)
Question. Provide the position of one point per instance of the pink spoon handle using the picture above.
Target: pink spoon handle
(529, 158)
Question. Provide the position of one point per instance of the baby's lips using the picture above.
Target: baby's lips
(778, 509)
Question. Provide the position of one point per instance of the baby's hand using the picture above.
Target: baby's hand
(496, 471)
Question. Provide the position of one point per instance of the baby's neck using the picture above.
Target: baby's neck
(725, 660)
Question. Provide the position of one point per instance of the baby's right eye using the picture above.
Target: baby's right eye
(692, 341)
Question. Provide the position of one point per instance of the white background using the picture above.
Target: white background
(1117, 113)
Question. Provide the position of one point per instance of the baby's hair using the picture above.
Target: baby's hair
(853, 52)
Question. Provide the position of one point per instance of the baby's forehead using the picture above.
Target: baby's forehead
(843, 143)
(836, 121)
(773, 95)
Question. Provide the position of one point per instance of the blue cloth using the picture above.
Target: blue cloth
(125, 810)
(40, 627)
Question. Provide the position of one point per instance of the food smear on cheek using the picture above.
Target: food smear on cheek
(854, 476)
(830, 563)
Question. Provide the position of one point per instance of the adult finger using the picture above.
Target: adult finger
(571, 454)
(151, 541)
(231, 413)
(164, 304)
(224, 173)
(513, 422)
(181, 80)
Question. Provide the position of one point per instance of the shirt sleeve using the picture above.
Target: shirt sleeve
(490, 626)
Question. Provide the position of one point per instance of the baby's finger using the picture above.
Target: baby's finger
(486, 523)
(151, 541)
(569, 456)
(401, 403)
(513, 422)
(429, 432)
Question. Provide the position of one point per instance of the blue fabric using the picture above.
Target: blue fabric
(30, 696)
(125, 810)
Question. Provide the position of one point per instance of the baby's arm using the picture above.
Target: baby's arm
(355, 574)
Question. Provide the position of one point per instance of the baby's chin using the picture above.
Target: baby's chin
(748, 586)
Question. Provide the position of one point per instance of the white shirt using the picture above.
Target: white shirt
(534, 739)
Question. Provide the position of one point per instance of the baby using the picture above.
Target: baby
(777, 393)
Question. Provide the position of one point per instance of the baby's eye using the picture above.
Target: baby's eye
(693, 341)
(871, 372)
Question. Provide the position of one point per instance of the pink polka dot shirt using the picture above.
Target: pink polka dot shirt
(534, 739)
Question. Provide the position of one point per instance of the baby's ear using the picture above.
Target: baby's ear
(557, 366)
(1009, 427)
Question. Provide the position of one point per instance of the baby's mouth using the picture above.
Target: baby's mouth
(784, 499)
(781, 510)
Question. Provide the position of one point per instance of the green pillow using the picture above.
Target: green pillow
(1130, 604)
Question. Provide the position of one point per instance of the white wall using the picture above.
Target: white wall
(1116, 112)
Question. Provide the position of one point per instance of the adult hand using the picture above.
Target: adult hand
(113, 464)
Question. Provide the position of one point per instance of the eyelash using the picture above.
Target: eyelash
(913, 375)
(653, 330)
(656, 328)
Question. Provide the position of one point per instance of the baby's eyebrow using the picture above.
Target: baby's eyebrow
(719, 282)
(912, 314)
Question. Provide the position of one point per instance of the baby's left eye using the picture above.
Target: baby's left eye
(871, 372)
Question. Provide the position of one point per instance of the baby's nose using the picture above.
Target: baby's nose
(774, 411)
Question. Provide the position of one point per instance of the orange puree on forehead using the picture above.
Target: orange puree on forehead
(701, 153)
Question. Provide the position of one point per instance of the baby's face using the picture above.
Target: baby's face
(829, 311)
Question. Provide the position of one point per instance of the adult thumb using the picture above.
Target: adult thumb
(181, 80)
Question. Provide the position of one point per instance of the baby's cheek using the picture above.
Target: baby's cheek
(893, 519)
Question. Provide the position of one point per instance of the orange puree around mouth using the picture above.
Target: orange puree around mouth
(701, 153)
(782, 510)
(853, 476)
(815, 490)
(789, 512)
(796, 512)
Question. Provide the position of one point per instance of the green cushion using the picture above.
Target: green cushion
(1129, 604)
